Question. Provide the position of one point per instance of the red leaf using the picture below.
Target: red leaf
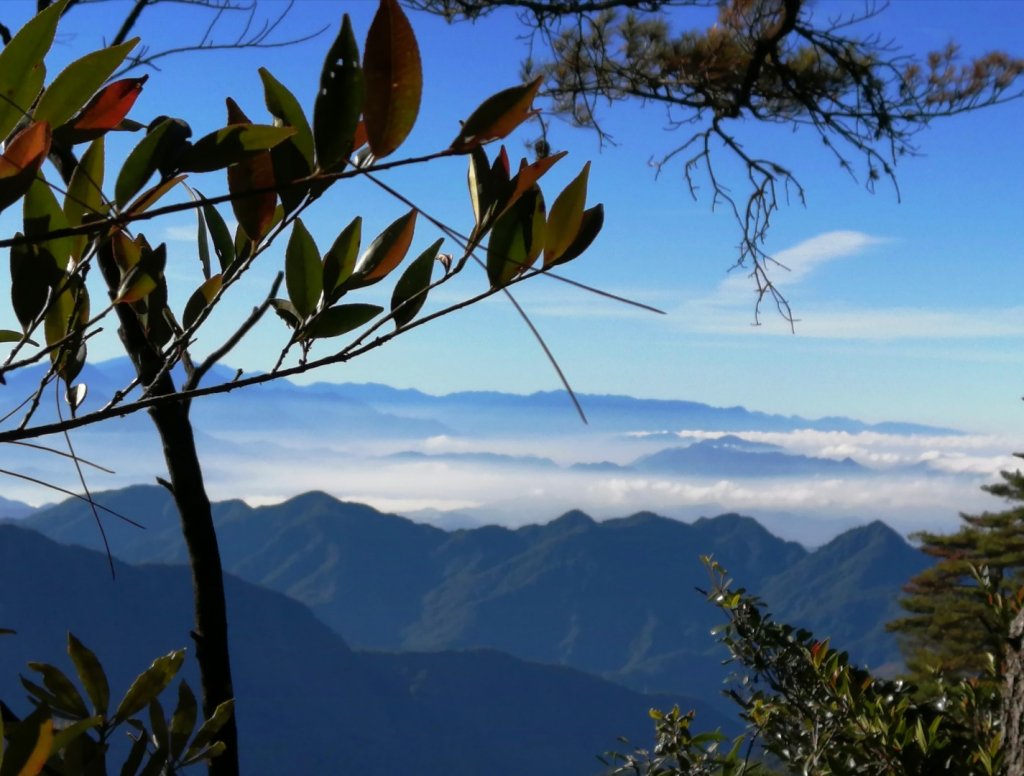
(109, 106)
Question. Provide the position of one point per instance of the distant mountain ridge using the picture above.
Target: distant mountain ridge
(613, 598)
(306, 701)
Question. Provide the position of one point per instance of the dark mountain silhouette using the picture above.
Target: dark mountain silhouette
(615, 598)
(306, 701)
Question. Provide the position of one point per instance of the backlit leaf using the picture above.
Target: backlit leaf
(104, 112)
(76, 83)
(223, 244)
(21, 161)
(183, 721)
(340, 260)
(593, 220)
(232, 144)
(516, 239)
(43, 214)
(385, 253)
(255, 212)
(394, 80)
(497, 116)
(149, 684)
(63, 689)
(32, 274)
(152, 195)
(411, 289)
(339, 102)
(303, 270)
(287, 112)
(565, 218)
(529, 174)
(142, 162)
(335, 321)
(200, 299)
(6, 335)
(209, 729)
(67, 315)
(21, 66)
(41, 751)
(84, 199)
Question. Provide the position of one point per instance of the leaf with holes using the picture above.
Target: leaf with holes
(394, 79)
(339, 102)
(287, 112)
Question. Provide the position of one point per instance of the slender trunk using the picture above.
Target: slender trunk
(186, 481)
(211, 623)
(1013, 700)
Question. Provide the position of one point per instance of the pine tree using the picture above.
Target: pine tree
(952, 627)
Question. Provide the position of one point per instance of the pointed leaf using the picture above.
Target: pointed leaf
(339, 103)
(200, 300)
(286, 312)
(340, 260)
(149, 684)
(529, 174)
(593, 220)
(513, 244)
(84, 200)
(66, 735)
(63, 689)
(287, 112)
(7, 335)
(255, 212)
(21, 66)
(104, 112)
(411, 289)
(335, 321)
(142, 162)
(32, 274)
(209, 729)
(151, 196)
(565, 218)
(41, 751)
(232, 144)
(135, 755)
(183, 722)
(223, 244)
(78, 81)
(20, 164)
(497, 116)
(385, 253)
(43, 214)
(394, 80)
(303, 271)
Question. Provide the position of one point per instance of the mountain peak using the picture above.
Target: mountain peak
(573, 520)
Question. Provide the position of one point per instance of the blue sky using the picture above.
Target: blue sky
(907, 311)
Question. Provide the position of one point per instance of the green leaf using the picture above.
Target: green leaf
(232, 144)
(303, 271)
(565, 218)
(411, 289)
(199, 300)
(67, 314)
(67, 734)
(7, 335)
(32, 274)
(335, 321)
(339, 103)
(76, 83)
(511, 240)
(43, 214)
(149, 684)
(590, 225)
(141, 163)
(385, 253)
(497, 116)
(62, 688)
(290, 165)
(210, 728)
(30, 743)
(90, 674)
(394, 79)
(223, 243)
(84, 199)
(340, 260)
(135, 755)
(183, 721)
(21, 66)
(286, 312)
(158, 725)
(286, 111)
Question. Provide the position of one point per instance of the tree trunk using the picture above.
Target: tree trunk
(1013, 700)
(211, 624)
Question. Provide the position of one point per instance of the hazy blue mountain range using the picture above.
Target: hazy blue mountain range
(353, 408)
(615, 598)
(307, 703)
(714, 458)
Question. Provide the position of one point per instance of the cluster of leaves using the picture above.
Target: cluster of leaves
(364, 110)
(959, 610)
(808, 710)
(67, 736)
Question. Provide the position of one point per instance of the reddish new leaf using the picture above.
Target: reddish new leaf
(394, 79)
